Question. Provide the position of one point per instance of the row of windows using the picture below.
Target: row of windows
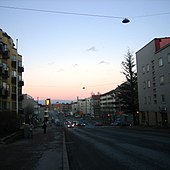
(161, 81)
(4, 105)
(6, 86)
(160, 64)
(148, 99)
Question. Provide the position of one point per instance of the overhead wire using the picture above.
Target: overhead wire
(60, 12)
(80, 14)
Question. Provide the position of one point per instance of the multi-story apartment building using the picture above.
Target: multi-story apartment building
(95, 106)
(107, 106)
(153, 72)
(11, 83)
(84, 106)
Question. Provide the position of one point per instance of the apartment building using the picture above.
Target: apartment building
(153, 71)
(107, 106)
(11, 82)
(84, 106)
(95, 106)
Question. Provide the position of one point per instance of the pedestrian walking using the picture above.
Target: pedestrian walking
(44, 127)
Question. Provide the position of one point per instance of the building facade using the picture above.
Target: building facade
(95, 106)
(11, 83)
(153, 72)
(82, 107)
(107, 106)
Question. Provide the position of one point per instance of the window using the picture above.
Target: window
(14, 58)
(145, 100)
(149, 99)
(147, 67)
(149, 83)
(160, 62)
(143, 70)
(4, 105)
(4, 85)
(20, 78)
(5, 48)
(169, 58)
(14, 74)
(20, 63)
(162, 98)
(13, 89)
(144, 85)
(161, 80)
(14, 106)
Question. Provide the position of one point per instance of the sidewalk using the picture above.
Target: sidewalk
(42, 152)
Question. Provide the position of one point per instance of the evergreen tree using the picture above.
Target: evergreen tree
(129, 92)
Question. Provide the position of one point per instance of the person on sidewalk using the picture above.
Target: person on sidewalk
(44, 127)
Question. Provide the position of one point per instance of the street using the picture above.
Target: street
(117, 148)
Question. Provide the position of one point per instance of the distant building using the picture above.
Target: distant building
(28, 107)
(107, 106)
(95, 106)
(83, 106)
(11, 83)
(74, 108)
(153, 72)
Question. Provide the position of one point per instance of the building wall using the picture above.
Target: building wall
(154, 82)
(11, 82)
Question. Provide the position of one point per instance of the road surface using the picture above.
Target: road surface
(106, 148)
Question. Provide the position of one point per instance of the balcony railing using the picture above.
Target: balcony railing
(5, 74)
(20, 69)
(6, 54)
(21, 97)
(20, 83)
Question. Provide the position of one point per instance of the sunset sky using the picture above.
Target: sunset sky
(70, 44)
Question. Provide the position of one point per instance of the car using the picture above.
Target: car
(116, 123)
(81, 124)
(70, 125)
(98, 124)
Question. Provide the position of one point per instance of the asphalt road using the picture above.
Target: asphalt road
(108, 148)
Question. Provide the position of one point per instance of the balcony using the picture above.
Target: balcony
(6, 54)
(20, 97)
(5, 74)
(4, 93)
(20, 83)
(20, 69)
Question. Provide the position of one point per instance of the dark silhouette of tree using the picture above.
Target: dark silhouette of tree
(129, 91)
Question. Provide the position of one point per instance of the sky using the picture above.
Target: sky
(62, 53)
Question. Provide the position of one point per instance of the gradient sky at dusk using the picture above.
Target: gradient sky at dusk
(62, 53)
